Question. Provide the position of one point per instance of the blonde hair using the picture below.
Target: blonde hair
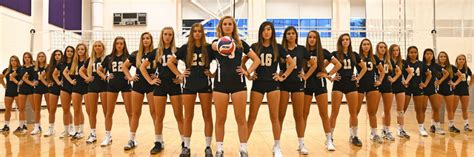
(161, 45)
(10, 64)
(37, 63)
(235, 33)
(94, 57)
(386, 56)
(75, 59)
(464, 66)
(141, 48)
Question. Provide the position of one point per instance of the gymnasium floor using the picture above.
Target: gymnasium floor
(260, 143)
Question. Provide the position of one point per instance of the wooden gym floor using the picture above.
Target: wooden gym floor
(260, 143)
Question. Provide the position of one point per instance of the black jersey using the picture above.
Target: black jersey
(466, 72)
(313, 80)
(436, 73)
(445, 83)
(299, 55)
(227, 79)
(348, 64)
(77, 76)
(419, 70)
(268, 62)
(386, 69)
(327, 56)
(113, 65)
(197, 78)
(31, 73)
(161, 69)
(370, 75)
(95, 66)
(11, 86)
(38, 73)
(132, 59)
(402, 77)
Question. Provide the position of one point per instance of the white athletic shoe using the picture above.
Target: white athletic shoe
(50, 132)
(423, 132)
(330, 146)
(107, 141)
(302, 150)
(277, 152)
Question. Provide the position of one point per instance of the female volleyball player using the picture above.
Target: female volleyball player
(316, 83)
(66, 90)
(79, 88)
(415, 85)
(197, 55)
(446, 85)
(398, 88)
(294, 83)
(369, 86)
(461, 91)
(391, 70)
(266, 79)
(431, 90)
(11, 89)
(140, 85)
(345, 82)
(41, 89)
(165, 83)
(117, 83)
(229, 81)
(25, 90)
(54, 89)
(96, 86)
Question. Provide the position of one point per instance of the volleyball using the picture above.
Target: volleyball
(226, 46)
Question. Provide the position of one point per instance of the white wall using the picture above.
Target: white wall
(191, 11)
(298, 9)
(15, 36)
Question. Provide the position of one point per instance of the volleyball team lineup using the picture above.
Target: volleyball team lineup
(280, 70)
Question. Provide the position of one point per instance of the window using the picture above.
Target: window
(303, 26)
(358, 24)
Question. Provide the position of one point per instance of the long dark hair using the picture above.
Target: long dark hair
(424, 57)
(52, 64)
(114, 50)
(259, 44)
(65, 59)
(340, 49)
(370, 54)
(408, 53)
(192, 42)
(284, 41)
(318, 48)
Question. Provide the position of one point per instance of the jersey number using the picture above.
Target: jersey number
(347, 64)
(370, 66)
(197, 62)
(117, 66)
(266, 59)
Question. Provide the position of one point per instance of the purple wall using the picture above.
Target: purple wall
(22, 6)
(72, 14)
